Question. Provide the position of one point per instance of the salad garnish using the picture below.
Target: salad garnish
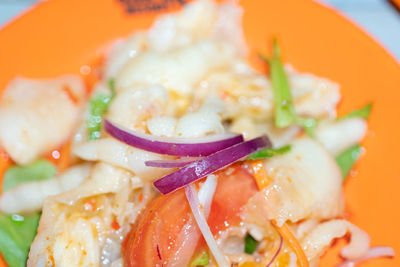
(277, 251)
(208, 165)
(193, 199)
(16, 235)
(201, 260)
(269, 152)
(36, 171)
(285, 113)
(16, 231)
(348, 158)
(98, 106)
(262, 180)
(250, 244)
(363, 112)
(173, 146)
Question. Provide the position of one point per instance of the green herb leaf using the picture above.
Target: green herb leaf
(308, 124)
(111, 85)
(16, 235)
(348, 158)
(201, 260)
(269, 152)
(36, 171)
(98, 105)
(250, 244)
(285, 113)
(363, 112)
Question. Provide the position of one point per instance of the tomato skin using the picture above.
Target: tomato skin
(155, 239)
(152, 242)
(235, 187)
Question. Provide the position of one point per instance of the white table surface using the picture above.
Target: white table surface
(377, 17)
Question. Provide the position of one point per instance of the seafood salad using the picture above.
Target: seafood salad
(180, 154)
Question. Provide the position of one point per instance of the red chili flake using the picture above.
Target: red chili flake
(115, 225)
(70, 94)
(140, 197)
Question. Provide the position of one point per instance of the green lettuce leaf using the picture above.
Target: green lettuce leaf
(16, 235)
(36, 171)
(17, 232)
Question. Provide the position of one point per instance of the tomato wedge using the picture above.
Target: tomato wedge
(167, 233)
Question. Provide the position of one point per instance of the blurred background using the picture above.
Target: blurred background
(380, 18)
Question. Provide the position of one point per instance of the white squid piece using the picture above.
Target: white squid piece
(139, 103)
(119, 154)
(339, 135)
(249, 93)
(204, 121)
(179, 70)
(252, 129)
(313, 96)
(38, 115)
(300, 182)
(29, 197)
(162, 126)
(198, 20)
(320, 238)
(72, 234)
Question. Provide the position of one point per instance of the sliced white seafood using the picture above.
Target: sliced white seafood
(29, 197)
(246, 92)
(162, 126)
(119, 154)
(339, 135)
(38, 115)
(179, 70)
(198, 20)
(251, 128)
(305, 183)
(320, 238)
(313, 96)
(200, 123)
(76, 225)
(132, 106)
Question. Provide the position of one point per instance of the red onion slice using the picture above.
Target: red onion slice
(201, 221)
(277, 252)
(175, 163)
(173, 146)
(205, 166)
(375, 252)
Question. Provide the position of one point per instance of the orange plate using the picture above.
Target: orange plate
(59, 36)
